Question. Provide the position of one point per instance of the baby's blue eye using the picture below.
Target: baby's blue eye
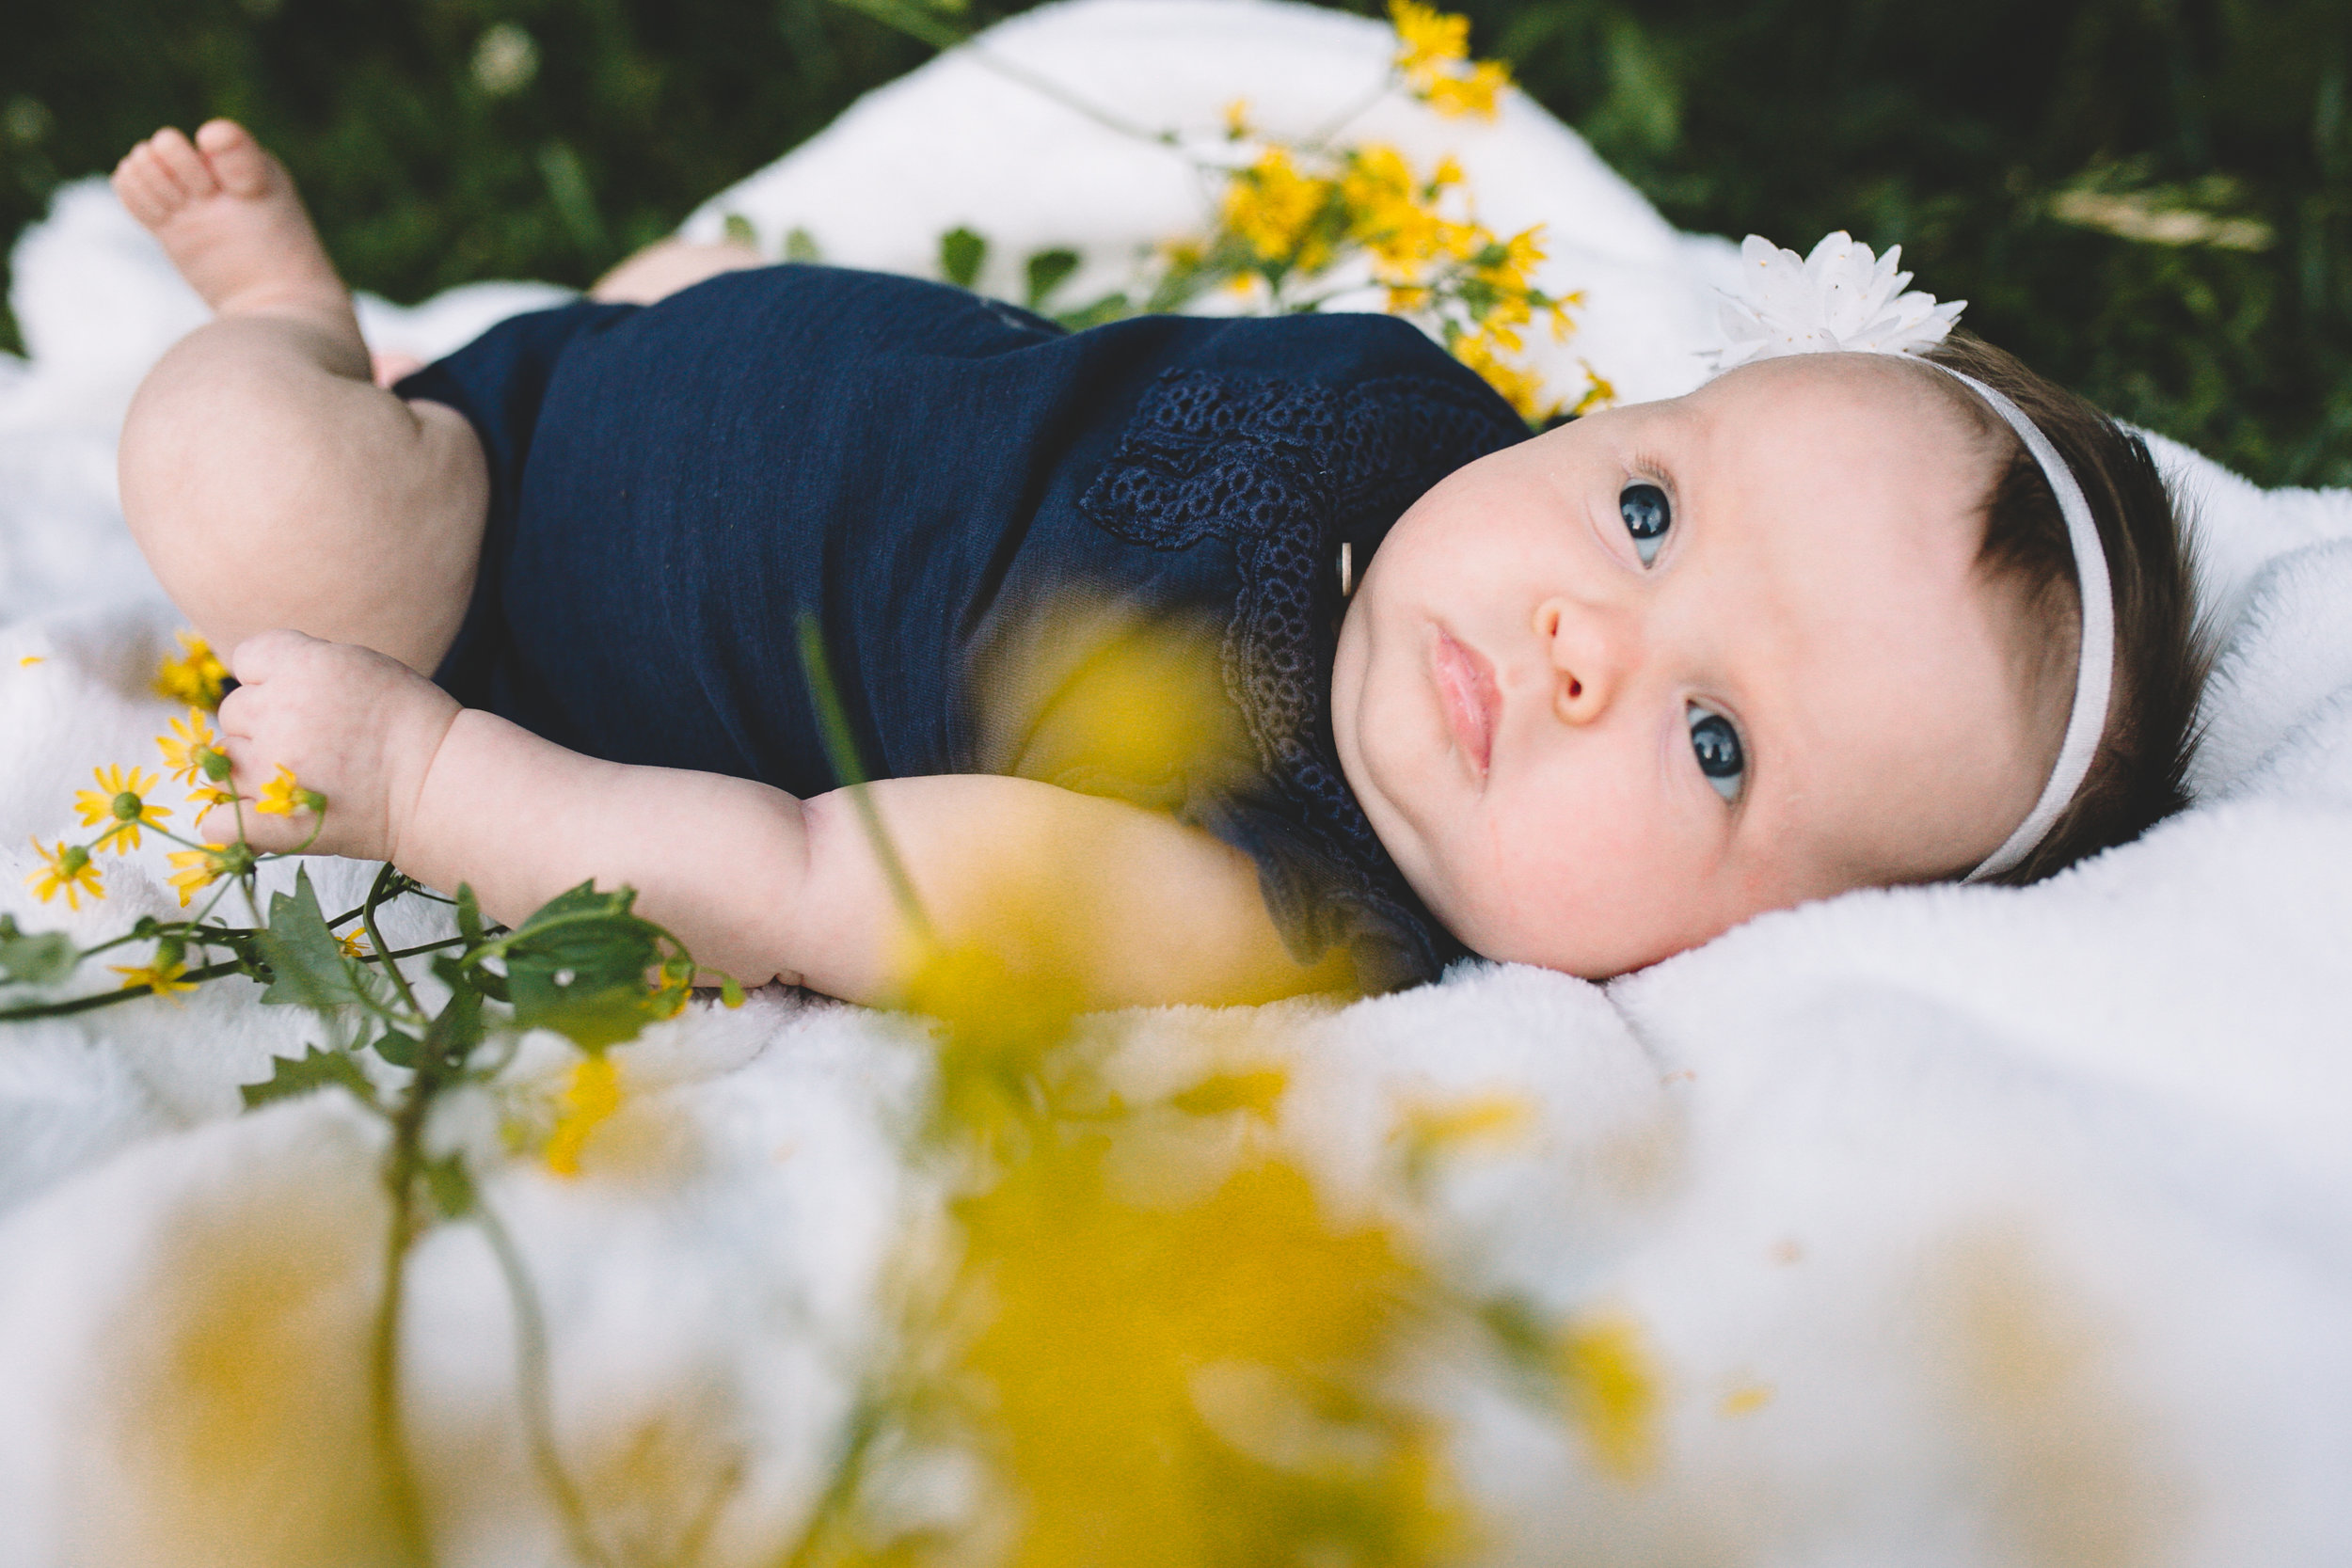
(1720, 757)
(1647, 518)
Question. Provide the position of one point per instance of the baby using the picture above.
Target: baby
(1584, 699)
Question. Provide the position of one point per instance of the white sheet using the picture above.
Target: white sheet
(2018, 1223)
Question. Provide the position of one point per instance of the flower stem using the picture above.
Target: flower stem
(391, 1443)
(536, 1384)
(377, 893)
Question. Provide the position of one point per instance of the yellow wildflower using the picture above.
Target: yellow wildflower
(119, 802)
(194, 677)
(1506, 264)
(1395, 218)
(1432, 48)
(1523, 388)
(1237, 119)
(589, 1101)
(185, 748)
(284, 796)
(201, 868)
(1426, 37)
(160, 978)
(354, 944)
(1273, 206)
(1600, 394)
(28, 661)
(67, 868)
(1474, 94)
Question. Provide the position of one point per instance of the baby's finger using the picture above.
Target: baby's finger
(261, 655)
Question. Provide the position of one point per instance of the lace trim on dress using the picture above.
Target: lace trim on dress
(1287, 471)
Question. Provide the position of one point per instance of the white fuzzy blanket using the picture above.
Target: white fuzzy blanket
(1965, 1226)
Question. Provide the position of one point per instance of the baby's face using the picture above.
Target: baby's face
(1611, 691)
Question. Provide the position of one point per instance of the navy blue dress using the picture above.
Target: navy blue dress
(933, 475)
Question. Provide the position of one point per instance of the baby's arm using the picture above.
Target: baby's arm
(754, 881)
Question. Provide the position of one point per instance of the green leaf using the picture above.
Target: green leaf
(462, 976)
(468, 916)
(1047, 271)
(801, 245)
(40, 959)
(578, 965)
(315, 1068)
(398, 1048)
(308, 966)
(457, 1028)
(582, 901)
(451, 1185)
(960, 253)
(1110, 308)
(740, 230)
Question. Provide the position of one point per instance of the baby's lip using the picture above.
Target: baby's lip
(1467, 691)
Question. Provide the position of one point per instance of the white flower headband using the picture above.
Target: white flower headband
(1843, 300)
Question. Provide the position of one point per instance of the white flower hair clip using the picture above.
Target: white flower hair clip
(1838, 300)
(1841, 299)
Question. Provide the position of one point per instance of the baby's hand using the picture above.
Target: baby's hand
(353, 725)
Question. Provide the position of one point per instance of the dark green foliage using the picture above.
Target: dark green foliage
(436, 153)
(578, 967)
(1957, 131)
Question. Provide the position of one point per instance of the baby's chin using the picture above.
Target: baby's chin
(1592, 942)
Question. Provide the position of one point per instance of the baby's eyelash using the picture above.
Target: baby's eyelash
(1642, 466)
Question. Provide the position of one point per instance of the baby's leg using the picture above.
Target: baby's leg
(269, 481)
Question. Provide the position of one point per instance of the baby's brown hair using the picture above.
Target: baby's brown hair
(2138, 774)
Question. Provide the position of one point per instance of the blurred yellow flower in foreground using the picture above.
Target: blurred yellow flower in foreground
(1613, 1393)
(67, 869)
(194, 677)
(588, 1101)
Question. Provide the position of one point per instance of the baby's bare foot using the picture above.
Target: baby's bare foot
(229, 217)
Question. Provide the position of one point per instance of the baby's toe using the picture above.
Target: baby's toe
(146, 188)
(182, 164)
(237, 160)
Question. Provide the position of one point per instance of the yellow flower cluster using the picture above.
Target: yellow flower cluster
(1291, 215)
(120, 808)
(194, 677)
(588, 1101)
(1433, 57)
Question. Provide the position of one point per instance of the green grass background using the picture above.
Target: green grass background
(1954, 130)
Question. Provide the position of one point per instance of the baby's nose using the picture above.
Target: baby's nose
(1588, 646)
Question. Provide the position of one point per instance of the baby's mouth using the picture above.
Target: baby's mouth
(1467, 689)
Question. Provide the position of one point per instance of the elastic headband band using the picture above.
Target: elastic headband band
(2094, 670)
